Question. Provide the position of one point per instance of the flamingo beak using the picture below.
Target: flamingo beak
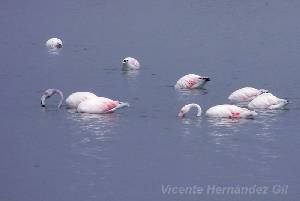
(43, 98)
(42, 104)
(59, 45)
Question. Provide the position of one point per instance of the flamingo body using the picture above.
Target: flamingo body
(229, 111)
(191, 81)
(54, 43)
(220, 111)
(130, 63)
(245, 94)
(267, 101)
(99, 105)
(76, 98)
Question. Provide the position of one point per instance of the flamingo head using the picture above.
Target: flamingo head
(130, 63)
(205, 78)
(125, 60)
(47, 94)
(183, 111)
(262, 91)
(58, 45)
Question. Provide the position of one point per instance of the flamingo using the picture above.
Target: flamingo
(245, 94)
(54, 43)
(267, 101)
(130, 63)
(220, 111)
(191, 81)
(76, 98)
(84, 102)
(72, 100)
(100, 105)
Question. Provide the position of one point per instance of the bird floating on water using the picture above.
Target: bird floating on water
(191, 81)
(245, 94)
(219, 111)
(130, 63)
(267, 101)
(84, 102)
(54, 43)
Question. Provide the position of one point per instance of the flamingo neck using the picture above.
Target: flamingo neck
(60, 93)
(50, 92)
(199, 110)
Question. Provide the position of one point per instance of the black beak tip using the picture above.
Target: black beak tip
(207, 79)
(59, 45)
(43, 105)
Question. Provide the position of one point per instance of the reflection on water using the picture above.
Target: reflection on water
(130, 74)
(93, 128)
(94, 122)
(50, 108)
(128, 157)
(266, 121)
(224, 134)
(54, 51)
(233, 138)
(194, 92)
(226, 122)
(91, 142)
(189, 124)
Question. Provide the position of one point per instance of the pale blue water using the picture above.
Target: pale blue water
(128, 155)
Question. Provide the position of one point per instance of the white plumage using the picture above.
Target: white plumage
(54, 43)
(229, 111)
(76, 98)
(191, 81)
(130, 63)
(100, 105)
(267, 101)
(85, 102)
(245, 94)
(220, 111)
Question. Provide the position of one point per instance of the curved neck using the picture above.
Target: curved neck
(193, 105)
(50, 92)
(60, 93)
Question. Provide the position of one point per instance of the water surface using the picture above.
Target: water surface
(128, 155)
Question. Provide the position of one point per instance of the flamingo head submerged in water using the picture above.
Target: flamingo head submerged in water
(219, 111)
(50, 92)
(185, 109)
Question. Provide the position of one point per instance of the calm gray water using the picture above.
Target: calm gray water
(133, 154)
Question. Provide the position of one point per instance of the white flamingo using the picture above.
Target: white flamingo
(81, 102)
(191, 81)
(267, 101)
(72, 100)
(76, 98)
(245, 94)
(54, 43)
(219, 111)
(100, 105)
(130, 63)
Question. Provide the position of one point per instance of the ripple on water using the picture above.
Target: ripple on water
(131, 74)
(91, 142)
(54, 52)
(190, 92)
